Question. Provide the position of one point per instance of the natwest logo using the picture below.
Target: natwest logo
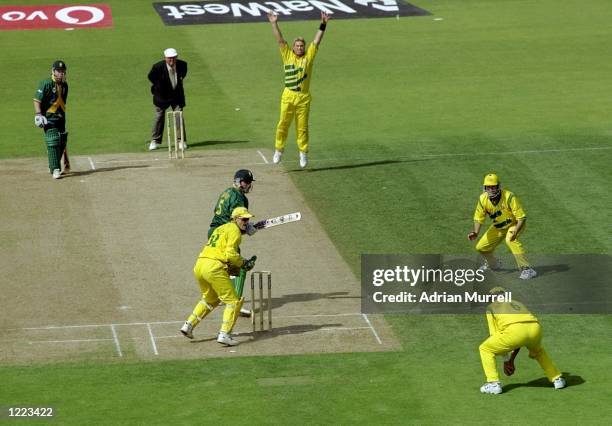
(55, 16)
(235, 11)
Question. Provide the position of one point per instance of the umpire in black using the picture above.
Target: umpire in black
(166, 79)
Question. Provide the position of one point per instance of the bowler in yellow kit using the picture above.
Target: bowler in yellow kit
(512, 326)
(295, 100)
(508, 216)
(220, 258)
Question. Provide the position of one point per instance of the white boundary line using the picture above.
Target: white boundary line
(152, 339)
(263, 156)
(117, 345)
(365, 317)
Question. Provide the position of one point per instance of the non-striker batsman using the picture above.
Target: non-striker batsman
(50, 107)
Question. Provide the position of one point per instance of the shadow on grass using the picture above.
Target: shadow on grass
(209, 143)
(309, 297)
(551, 269)
(570, 379)
(355, 165)
(541, 270)
(101, 170)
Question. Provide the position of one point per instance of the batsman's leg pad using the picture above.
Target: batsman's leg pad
(52, 137)
(54, 149)
(63, 140)
(230, 315)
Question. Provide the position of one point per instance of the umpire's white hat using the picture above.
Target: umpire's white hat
(170, 53)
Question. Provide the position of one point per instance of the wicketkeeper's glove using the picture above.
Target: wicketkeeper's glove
(250, 229)
(250, 264)
(40, 120)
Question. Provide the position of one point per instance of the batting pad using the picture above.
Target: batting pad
(55, 154)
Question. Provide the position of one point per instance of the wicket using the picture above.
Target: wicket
(174, 119)
(262, 307)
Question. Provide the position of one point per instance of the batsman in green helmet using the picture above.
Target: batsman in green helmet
(232, 197)
(50, 108)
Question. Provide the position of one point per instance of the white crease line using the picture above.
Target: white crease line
(263, 156)
(91, 163)
(52, 327)
(152, 339)
(365, 317)
(69, 341)
(117, 345)
(127, 324)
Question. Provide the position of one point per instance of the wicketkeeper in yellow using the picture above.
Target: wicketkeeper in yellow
(295, 101)
(220, 258)
(509, 218)
(512, 326)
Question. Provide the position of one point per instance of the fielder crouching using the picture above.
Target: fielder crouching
(512, 326)
(219, 258)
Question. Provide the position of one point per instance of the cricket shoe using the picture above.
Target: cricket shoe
(152, 146)
(493, 388)
(57, 173)
(277, 157)
(527, 273)
(486, 267)
(559, 383)
(303, 159)
(187, 330)
(226, 339)
(245, 312)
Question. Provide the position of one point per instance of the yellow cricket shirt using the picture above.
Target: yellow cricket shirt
(223, 245)
(501, 314)
(505, 214)
(298, 69)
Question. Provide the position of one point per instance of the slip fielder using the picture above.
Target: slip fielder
(512, 326)
(509, 218)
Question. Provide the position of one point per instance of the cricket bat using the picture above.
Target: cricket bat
(279, 220)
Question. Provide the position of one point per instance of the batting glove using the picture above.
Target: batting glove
(250, 264)
(40, 120)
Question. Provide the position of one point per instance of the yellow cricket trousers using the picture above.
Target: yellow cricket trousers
(293, 105)
(528, 334)
(216, 287)
(491, 239)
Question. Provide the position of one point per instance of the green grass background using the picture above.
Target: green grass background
(407, 116)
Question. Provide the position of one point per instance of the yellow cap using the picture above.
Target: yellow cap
(241, 212)
(491, 180)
